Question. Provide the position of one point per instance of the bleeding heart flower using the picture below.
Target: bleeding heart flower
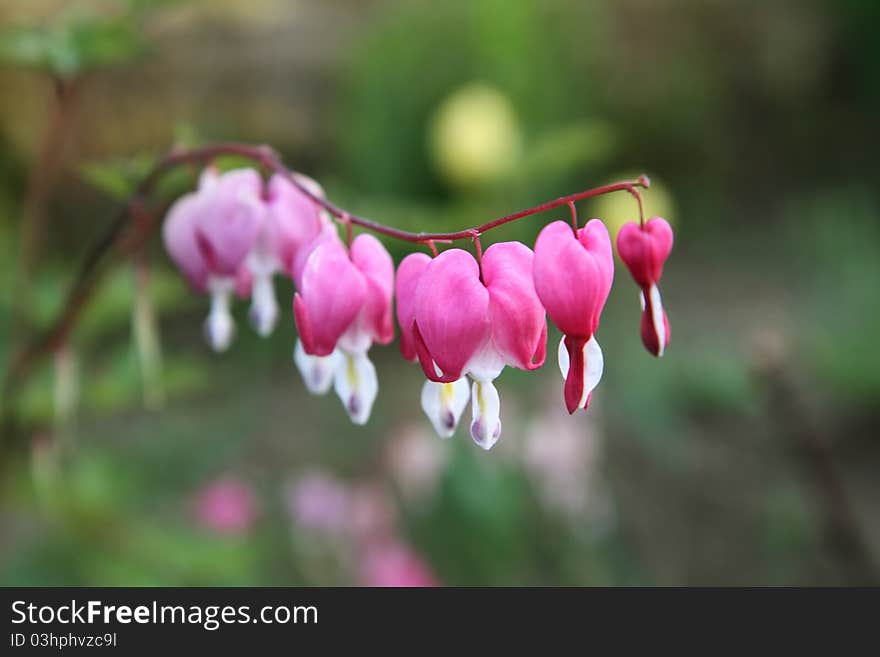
(573, 274)
(230, 221)
(234, 234)
(179, 233)
(644, 249)
(465, 323)
(342, 307)
(291, 220)
(409, 273)
(443, 403)
(187, 244)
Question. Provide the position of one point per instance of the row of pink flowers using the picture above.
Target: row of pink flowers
(464, 320)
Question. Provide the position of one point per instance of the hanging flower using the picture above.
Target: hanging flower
(463, 319)
(342, 307)
(443, 403)
(573, 274)
(233, 234)
(644, 249)
(291, 220)
(210, 253)
(474, 320)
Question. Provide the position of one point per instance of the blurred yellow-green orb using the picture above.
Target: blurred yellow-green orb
(620, 207)
(474, 136)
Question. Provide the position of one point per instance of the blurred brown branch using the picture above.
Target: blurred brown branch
(842, 528)
(44, 173)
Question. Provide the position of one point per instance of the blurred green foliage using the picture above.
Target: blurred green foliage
(79, 40)
(757, 117)
(521, 48)
(838, 234)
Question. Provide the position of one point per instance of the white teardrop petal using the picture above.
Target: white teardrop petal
(357, 386)
(444, 403)
(219, 325)
(594, 365)
(657, 317)
(562, 358)
(317, 371)
(486, 413)
(264, 306)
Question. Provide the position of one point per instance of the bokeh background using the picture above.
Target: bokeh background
(748, 455)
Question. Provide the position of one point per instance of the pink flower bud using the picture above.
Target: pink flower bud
(644, 250)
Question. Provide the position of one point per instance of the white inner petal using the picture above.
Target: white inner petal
(317, 371)
(356, 339)
(486, 414)
(357, 386)
(444, 403)
(219, 325)
(594, 365)
(657, 318)
(486, 364)
(264, 306)
(562, 358)
(260, 260)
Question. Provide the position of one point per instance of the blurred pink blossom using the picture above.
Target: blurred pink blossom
(321, 502)
(416, 461)
(227, 506)
(394, 564)
(362, 520)
(373, 513)
(564, 460)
